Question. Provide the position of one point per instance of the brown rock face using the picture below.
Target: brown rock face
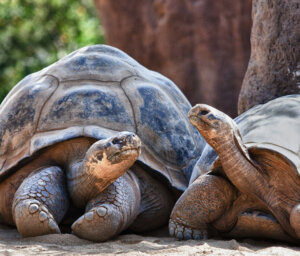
(275, 53)
(202, 45)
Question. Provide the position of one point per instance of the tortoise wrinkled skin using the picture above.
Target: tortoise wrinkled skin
(246, 182)
(96, 141)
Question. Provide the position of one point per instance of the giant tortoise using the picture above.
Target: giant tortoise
(76, 128)
(249, 183)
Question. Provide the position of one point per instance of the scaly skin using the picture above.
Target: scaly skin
(111, 211)
(206, 200)
(133, 201)
(41, 202)
(222, 134)
(35, 197)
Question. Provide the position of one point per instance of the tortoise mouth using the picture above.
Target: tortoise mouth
(196, 119)
(124, 154)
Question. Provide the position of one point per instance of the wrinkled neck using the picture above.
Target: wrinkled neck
(239, 169)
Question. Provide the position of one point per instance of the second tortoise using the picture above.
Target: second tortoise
(246, 183)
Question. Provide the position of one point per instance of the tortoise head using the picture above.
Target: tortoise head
(119, 149)
(215, 126)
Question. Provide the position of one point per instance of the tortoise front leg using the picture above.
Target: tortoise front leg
(206, 200)
(41, 202)
(110, 212)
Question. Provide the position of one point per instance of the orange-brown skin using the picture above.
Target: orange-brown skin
(256, 185)
(134, 199)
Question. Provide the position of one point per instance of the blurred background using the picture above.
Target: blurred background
(202, 45)
(36, 33)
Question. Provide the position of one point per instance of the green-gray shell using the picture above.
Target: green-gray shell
(97, 91)
(271, 128)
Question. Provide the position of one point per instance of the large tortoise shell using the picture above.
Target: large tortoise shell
(97, 91)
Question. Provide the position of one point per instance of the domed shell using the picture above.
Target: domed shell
(270, 133)
(96, 92)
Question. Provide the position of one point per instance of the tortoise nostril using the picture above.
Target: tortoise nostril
(115, 141)
(203, 112)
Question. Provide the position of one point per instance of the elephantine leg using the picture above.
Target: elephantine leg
(156, 203)
(104, 162)
(110, 212)
(41, 202)
(203, 202)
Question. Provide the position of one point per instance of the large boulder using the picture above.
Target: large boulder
(203, 45)
(274, 67)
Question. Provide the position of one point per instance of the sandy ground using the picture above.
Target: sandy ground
(67, 244)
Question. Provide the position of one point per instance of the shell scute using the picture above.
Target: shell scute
(87, 104)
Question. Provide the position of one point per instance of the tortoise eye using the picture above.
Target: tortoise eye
(203, 113)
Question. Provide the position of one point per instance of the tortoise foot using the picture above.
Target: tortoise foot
(99, 223)
(182, 232)
(40, 202)
(205, 201)
(34, 219)
(112, 211)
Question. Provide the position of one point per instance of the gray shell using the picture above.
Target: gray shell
(273, 127)
(96, 92)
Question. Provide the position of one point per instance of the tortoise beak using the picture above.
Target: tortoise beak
(199, 113)
(203, 116)
(127, 140)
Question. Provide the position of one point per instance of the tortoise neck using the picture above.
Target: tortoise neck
(240, 170)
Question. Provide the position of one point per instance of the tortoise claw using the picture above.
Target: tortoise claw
(182, 232)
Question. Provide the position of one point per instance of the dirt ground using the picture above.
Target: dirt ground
(67, 244)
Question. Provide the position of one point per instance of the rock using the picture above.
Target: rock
(275, 53)
(202, 45)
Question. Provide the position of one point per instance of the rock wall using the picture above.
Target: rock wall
(274, 66)
(202, 45)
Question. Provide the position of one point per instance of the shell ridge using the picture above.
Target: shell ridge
(189, 127)
(57, 129)
(169, 175)
(130, 102)
(96, 80)
(3, 163)
(171, 98)
(182, 117)
(44, 104)
(250, 143)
